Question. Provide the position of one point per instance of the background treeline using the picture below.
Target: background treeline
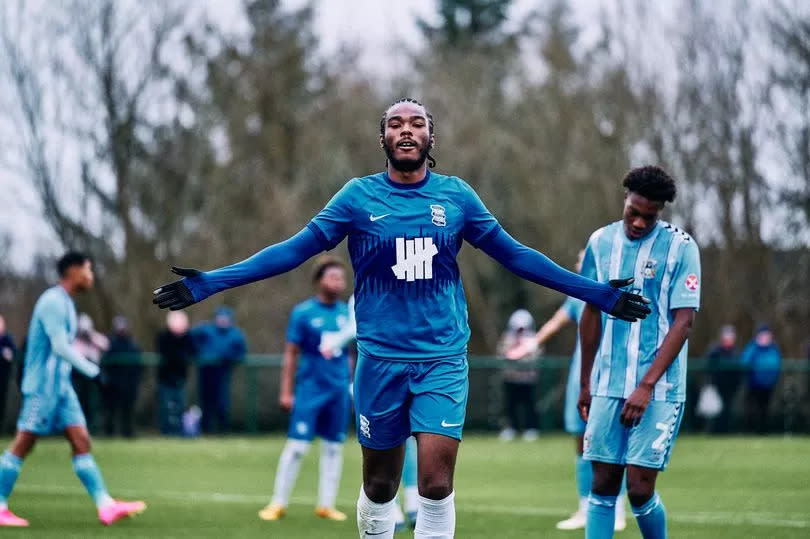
(152, 138)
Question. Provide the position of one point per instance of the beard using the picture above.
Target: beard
(406, 165)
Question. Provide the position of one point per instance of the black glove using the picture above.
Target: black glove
(176, 295)
(629, 307)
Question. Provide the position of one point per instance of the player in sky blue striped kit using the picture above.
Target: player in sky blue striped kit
(49, 402)
(405, 227)
(633, 383)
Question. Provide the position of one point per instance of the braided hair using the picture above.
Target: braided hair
(430, 159)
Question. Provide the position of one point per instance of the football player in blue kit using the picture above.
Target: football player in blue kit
(315, 389)
(405, 227)
(633, 378)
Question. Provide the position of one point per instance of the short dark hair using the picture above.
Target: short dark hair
(651, 182)
(70, 259)
(431, 161)
(323, 263)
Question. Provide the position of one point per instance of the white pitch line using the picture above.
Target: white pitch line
(725, 518)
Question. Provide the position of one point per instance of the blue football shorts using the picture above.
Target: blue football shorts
(648, 444)
(46, 414)
(323, 413)
(394, 399)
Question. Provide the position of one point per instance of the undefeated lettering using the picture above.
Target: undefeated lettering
(414, 259)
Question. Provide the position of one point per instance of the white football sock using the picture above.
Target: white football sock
(436, 519)
(376, 519)
(583, 504)
(411, 499)
(331, 465)
(288, 465)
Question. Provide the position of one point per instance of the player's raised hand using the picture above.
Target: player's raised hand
(176, 295)
(629, 307)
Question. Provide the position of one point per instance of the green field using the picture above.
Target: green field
(715, 488)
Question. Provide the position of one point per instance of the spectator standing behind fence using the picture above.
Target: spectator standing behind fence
(763, 361)
(520, 378)
(725, 373)
(91, 344)
(176, 351)
(219, 345)
(121, 366)
(8, 350)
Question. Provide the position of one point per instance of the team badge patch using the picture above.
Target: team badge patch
(438, 216)
(650, 268)
(692, 282)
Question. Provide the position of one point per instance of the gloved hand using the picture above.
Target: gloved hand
(176, 295)
(629, 307)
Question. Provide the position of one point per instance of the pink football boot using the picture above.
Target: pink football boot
(7, 518)
(119, 509)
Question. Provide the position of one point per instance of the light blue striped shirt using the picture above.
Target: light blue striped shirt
(666, 267)
(49, 355)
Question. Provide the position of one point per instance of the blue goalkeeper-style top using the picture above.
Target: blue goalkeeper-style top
(403, 242)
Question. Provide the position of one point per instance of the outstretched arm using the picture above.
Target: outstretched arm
(554, 324)
(538, 268)
(273, 260)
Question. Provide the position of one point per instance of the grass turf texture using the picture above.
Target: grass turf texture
(715, 488)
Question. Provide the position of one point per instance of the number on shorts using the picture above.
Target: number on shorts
(658, 443)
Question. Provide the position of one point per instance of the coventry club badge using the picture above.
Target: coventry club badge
(650, 267)
(438, 217)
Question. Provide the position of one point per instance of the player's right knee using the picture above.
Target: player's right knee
(380, 489)
(606, 484)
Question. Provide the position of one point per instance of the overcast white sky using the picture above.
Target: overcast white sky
(377, 27)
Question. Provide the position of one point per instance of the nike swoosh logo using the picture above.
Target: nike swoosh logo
(445, 424)
(369, 534)
(373, 217)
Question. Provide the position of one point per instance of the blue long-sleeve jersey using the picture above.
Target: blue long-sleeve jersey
(403, 242)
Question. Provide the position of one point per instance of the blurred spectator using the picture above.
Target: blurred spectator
(91, 344)
(219, 345)
(8, 351)
(176, 351)
(763, 361)
(121, 366)
(520, 380)
(725, 374)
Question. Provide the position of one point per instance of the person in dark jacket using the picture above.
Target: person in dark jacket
(121, 366)
(763, 360)
(725, 373)
(219, 346)
(8, 351)
(176, 350)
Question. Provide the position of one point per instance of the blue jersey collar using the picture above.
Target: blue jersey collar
(398, 185)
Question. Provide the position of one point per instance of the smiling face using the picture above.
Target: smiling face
(640, 215)
(406, 136)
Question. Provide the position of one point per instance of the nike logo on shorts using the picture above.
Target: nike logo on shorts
(445, 424)
(373, 217)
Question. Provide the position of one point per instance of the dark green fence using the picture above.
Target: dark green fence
(255, 386)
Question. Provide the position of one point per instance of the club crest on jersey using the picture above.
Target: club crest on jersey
(437, 215)
(650, 268)
(692, 282)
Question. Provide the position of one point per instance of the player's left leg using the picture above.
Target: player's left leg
(70, 418)
(332, 424)
(649, 448)
(438, 411)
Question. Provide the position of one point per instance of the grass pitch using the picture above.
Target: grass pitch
(715, 488)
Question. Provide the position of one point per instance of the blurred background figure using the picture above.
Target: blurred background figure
(175, 349)
(725, 374)
(121, 366)
(8, 351)
(91, 344)
(520, 378)
(219, 346)
(763, 361)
